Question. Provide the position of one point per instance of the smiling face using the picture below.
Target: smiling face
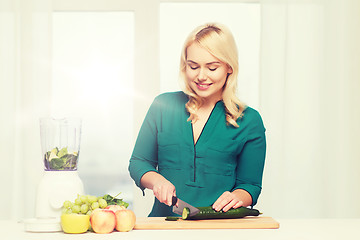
(206, 75)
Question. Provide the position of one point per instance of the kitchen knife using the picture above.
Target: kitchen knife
(181, 205)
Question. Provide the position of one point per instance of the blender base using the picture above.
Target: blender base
(54, 188)
(42, 225)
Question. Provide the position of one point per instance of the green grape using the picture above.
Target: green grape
(84, 208)
(64, 210)
(75, 209)
(84, 198)
(102, 203)
(67, 204)
(68, 211)
(89, 212)
(94, 205)
(92, 199)
(78, 201)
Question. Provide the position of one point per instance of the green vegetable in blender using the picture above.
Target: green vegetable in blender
(56, 163)
(62, 152)
(54, 151)
(60, 159)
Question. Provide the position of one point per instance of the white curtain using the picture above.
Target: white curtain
(24, 96)
(310, 96)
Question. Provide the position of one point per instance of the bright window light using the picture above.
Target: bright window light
(92, 78)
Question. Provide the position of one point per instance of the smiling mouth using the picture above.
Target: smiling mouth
(203, 86)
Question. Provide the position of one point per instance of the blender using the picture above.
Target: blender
(60, 144)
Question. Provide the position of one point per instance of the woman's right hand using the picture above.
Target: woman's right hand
(163, 189)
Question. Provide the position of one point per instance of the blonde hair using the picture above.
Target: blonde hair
(217, 40)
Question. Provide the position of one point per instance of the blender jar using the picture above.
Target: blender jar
(60, 143)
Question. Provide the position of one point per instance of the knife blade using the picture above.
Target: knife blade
(181, 205)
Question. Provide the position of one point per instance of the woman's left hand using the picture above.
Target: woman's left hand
(235, 199)
(226, 201)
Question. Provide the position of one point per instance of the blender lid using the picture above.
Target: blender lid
(42, 225)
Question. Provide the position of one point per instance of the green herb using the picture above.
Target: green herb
(115, 201)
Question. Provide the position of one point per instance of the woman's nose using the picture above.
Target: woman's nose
(201, 75)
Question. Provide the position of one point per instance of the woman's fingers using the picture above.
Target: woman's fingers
(221, 201)
(167, 193)
(232, 204)
(226, 201)
(164, 191)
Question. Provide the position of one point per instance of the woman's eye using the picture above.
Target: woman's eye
(212, 69)
(193, 67)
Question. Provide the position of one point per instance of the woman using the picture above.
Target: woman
(202, 144)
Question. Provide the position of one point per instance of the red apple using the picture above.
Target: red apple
(125, 220)
(114, 208)
(103, 221)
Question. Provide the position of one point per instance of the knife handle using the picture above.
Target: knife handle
(174, 201)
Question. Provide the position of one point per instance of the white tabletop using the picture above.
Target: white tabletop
(290, 229)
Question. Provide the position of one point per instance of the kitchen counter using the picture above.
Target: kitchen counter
(304, 229)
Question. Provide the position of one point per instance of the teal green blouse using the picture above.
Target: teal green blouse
(224, 158)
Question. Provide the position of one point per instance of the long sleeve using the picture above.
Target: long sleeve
(144, 157)
(251, 159)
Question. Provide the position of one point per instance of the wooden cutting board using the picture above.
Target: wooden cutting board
(260, 222)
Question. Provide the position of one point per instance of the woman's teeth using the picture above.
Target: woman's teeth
(203, 85)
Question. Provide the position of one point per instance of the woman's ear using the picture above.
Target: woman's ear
(230, 70)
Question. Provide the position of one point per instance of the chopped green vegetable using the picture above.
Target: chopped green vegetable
(60, 159)
(172, 218)
(55, 151)
(62, 152)
(210, 213)
(56, 163)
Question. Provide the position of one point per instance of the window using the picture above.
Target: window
(92, 78)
